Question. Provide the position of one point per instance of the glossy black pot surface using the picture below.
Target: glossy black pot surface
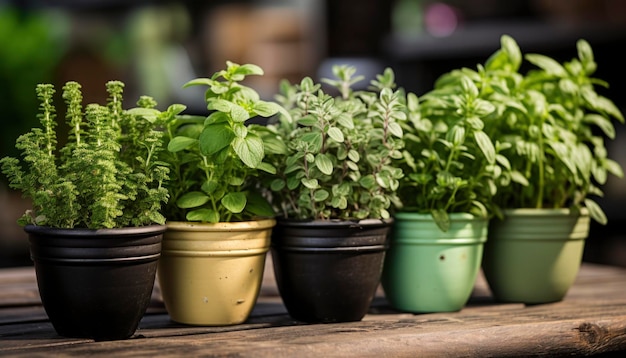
(95, 283)
(328, 271)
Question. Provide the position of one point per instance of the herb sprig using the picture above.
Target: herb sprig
(108, 173)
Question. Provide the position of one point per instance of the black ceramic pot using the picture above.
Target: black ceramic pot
(95, 283)
(328, 271)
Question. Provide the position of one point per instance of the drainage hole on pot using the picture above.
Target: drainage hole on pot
(442, 257)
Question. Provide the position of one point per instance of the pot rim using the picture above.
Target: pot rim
(410, 215)
(195, 226)
(333, 223)
(545, 211)
(83, 232)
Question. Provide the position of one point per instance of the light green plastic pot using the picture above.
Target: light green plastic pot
(427, 270)
(533, 255)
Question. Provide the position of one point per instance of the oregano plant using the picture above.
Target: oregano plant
(214, 159)
(450, 163)
(106, 175)
(553, 125)
(335, 155)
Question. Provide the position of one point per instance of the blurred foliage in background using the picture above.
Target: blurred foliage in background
(31, 46)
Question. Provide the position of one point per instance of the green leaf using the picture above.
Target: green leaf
(258, 205)
(548, 64)
(395, 129)
(215, 137)
(345, 120)
(314, 139)
(441, 219)
(180, 143)
(249, 69)
(352, 165)
(277, 185)
(310, 183)
(335, 134)
(486, 146)
(324, 164)
(192, 199)
(519, 178)
(354, 156)
(339, 202)
(368, 181)
(249, 149)
(220, 105)
(266, 109)
(320, 195)
(199, 82)
(235, 202)
(238, 113)
(614, 168)
(307, 121)
(596, 212)
(267, 167)
(236, 181)
(456, 135)
(603, 123)
(150, 114)
(203, 215)
(209, 186)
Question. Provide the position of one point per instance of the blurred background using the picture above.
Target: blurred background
(154, 47)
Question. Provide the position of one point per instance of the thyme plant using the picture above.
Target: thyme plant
(106, 175)
(335, 155)
(214, 158)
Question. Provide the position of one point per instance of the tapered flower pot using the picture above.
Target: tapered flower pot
(533, 255)
(211, 274)
(95, 283)
(328, 271)
(428, 270)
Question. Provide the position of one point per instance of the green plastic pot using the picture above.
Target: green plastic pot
(533, 255)
(428, 270)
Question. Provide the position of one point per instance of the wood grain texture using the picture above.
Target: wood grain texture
(591, 320)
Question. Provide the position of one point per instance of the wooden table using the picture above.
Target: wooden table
(590, 320)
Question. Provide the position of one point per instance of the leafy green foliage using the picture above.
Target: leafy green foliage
(30, 53)
(552, 126)
(450, 163)
(214, 159)
(107, 175)
(334, 156)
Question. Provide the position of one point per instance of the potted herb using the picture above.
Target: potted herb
(450, 167)
(95, 227)
(552, 124)
(334, 186)
(218, 229)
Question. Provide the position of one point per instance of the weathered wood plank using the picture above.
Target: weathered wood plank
(590, 320)
(366, 339)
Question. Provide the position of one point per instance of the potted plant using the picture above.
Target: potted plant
(451, 166)
(552, 124)
(95, 227)
(218, 224)
(334, 185)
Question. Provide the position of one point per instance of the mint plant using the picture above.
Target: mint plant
(335, 155)
(450, 163)
(552, 124)
(108, 173)
(213, 159)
